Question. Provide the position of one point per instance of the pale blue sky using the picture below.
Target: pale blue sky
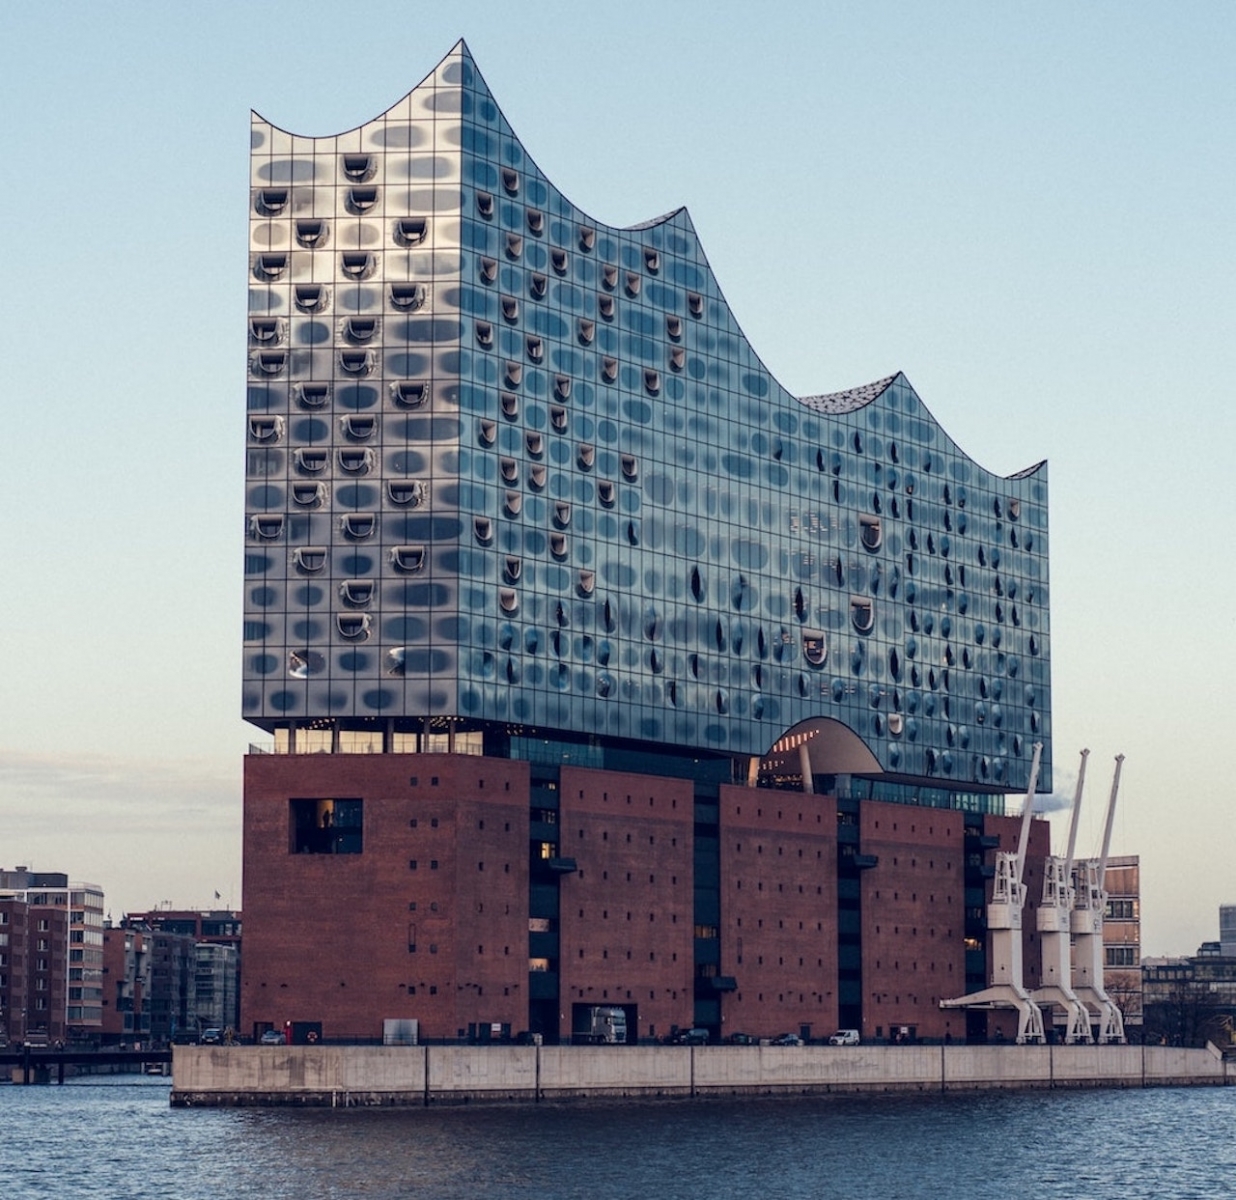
(1027, 208)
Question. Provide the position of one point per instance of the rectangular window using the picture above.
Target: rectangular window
(323, 826)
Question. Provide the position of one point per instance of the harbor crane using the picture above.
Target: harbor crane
(1089, 910)
(1004, 919)
(1054, 917)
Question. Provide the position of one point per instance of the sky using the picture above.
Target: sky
(1028, 209)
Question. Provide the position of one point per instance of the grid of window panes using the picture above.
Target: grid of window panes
(627, 528)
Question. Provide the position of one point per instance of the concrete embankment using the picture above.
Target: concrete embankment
(347, 1076)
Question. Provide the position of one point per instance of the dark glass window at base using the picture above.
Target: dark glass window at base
(322, 826)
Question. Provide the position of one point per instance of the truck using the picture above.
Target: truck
(600, 1025)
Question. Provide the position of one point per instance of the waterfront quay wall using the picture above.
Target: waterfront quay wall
(348, 1076)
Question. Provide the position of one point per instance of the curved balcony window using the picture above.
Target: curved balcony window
(312, 233)
(483, 530)
(559, 261)
(353, 627)
(634, 283)
(408, 297)
(536, 349)
(677, 358)
(411, 492)
(673, 328)
(484, 333)
(609, 276)
(536, 477)
(359, 167)
(356, 462)
(510, 181)
(587, 331)
(535, 443)
(587, 237)
(266, 428)
(514, 503)
(510, 405)
(266, 527)
(609, 369)
(360, 329)
(357, 264)
(695, 304)
(356, 362)
(310, 297)
(411, 231)
(870, 532)
(558, 545)
(270, 202)
(408, 560)
(606, 307)
(309, 495)
(358, 526)
(630, 466)
(514, 245)
(270, 362)
(562, 513)
(267, 331)
(358, 426)
(488, 269)
(514, 374)
(606, 492)
(513, 568)
(509, 468)
(510, 309)
(486, 432)
(815, 646)
(896, 723)
(586, 455)
(311, 459)
(269, 267)
(485, 205)
(361, 200)
(558, 418)
(356, 593)
(310, 560)
(313, 395)
(536, 221)
(862, 614)
(395, 661)
(538, 285)
(652, 261)
(652, 381)
(587, 583)
(409, 393)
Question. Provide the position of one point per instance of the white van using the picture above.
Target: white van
(844, 1037)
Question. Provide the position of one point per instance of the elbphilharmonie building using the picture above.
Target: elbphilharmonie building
(521, 493)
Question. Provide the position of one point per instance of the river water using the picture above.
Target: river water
(117, 1138)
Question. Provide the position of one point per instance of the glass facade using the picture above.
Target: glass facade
(510, 469)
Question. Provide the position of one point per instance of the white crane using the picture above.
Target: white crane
(1055, 915)
(1089, 907)
(1004, 914)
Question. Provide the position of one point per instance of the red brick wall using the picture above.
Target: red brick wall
(913, 910)
(327, 936)
(626, 931)
(779, 911)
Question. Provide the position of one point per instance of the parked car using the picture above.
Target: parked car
(787, 1039)
(211, 1037)
(844, 1037)
(688, 1037)
(272, 1037)
(742, 1039)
